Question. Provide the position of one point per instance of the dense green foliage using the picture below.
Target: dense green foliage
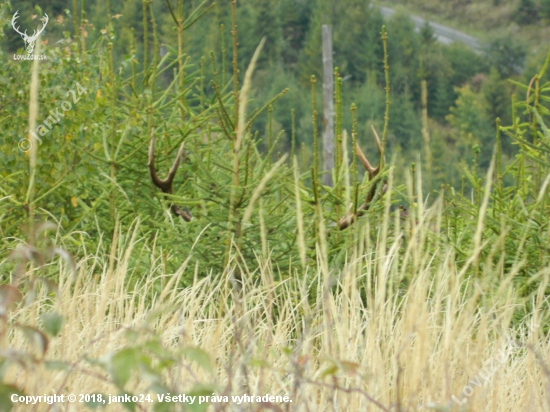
(292, 54)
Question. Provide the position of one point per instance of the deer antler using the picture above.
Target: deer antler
(348, 220)
(166, 185)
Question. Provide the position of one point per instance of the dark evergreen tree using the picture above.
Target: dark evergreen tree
(437, 71)
(497, 95)
(507, 55)
(526, 12)
(309, 62)
(427, 34)
(295, 19)
(544, 9)
(356, 39)
(404, 47)
(267, 24)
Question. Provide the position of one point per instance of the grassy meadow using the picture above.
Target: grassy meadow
(347, 339)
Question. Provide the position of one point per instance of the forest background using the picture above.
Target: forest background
(467, 89)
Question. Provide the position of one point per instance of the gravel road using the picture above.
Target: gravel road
(443, 34)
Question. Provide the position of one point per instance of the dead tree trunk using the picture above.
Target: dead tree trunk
(328, 106)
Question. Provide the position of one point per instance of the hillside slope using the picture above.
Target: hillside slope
(528, 20)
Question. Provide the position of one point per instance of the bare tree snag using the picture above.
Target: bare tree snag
(328, 106)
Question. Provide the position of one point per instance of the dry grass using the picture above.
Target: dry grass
(335, 340)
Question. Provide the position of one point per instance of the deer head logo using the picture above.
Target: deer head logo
(29, 40)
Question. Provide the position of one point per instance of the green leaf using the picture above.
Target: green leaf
(155, 347)
(131, 406)
(199, 356)
(200, 390)
(122, 365)
(6, 391)
(523, 86)
(330, 370)
(131, 335)
(52, 323)
(196, 407)
(163, 407)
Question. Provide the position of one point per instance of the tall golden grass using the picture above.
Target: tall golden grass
(400, 327)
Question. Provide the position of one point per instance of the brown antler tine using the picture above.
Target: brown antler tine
(377, 140)
(372, 170)
(166, 184)
(346, 221)
(349, 219)
(172, 173)
(163, 184)
(151, 166)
